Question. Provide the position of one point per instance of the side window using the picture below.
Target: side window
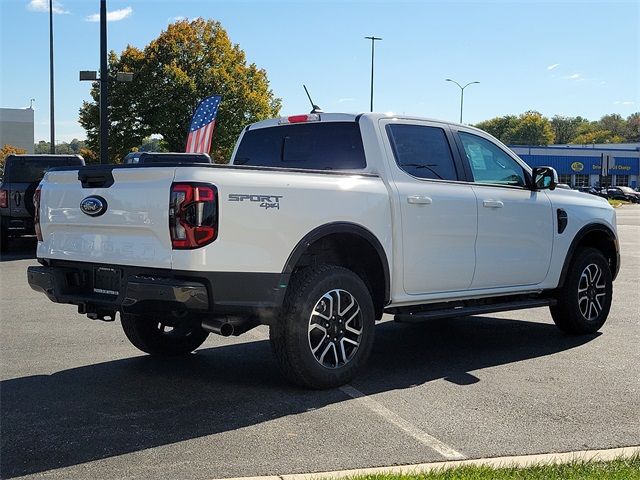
(422, 151)
(489, 163)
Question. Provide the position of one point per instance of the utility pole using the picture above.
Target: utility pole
(461, 93)
(373, 48)
(104, 86)
(52, 148)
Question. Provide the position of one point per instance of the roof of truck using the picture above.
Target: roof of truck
(342, 117)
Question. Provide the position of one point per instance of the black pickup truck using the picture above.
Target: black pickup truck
(22, 174)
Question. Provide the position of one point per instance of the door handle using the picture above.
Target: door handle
(419, 200)
(492, 204)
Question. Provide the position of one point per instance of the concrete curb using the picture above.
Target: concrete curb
(496, 462)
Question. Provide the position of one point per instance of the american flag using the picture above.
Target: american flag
(202, 125)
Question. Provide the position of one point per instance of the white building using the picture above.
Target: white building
(16, 128)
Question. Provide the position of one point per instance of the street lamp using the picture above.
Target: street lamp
(373, 42)
(90, 75)
(461, 93)
(52, 147)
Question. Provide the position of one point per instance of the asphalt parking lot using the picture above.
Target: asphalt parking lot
(78, 401)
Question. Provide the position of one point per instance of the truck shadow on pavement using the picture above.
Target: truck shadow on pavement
(122, 406)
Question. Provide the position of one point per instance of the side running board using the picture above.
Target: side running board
(463, 311)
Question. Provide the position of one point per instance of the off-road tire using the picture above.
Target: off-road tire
(569, 312)
(148, 334)
(290, 338)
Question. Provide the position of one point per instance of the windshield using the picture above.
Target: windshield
(28, 170)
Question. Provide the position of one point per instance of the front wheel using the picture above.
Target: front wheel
(326, 330)
(163, 337)
(585, 298)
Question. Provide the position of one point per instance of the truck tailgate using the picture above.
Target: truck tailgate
(133, 230)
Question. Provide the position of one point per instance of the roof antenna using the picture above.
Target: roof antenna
(314, 108)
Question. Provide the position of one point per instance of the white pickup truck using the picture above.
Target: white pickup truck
(320, 224)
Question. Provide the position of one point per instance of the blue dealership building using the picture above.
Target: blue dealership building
(581, 165)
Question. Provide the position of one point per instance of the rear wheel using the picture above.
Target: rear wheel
(585, 298)
(326, 330)
(163, 337)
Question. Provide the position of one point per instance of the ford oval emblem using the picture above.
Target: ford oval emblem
(94, 206)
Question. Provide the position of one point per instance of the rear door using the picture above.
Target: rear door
(515, 224)
(133, 229)
(438, 211)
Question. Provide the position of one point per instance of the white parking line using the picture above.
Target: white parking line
(442, 448)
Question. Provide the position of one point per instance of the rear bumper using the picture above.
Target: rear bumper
(159, 291)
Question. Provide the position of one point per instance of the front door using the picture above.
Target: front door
(515, 224)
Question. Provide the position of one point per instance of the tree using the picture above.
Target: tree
(7, 150)
(186, 63)
(64, 148)
(613, 123)
(153, 144)
(531, 129)
(598, 136)
(632, 133)
(42, 147)
(499, 127)
(89, 155)
(566, 128)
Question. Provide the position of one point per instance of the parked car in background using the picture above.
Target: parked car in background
(626, 194)
(593, 191)
(564, 186)
(22, 174)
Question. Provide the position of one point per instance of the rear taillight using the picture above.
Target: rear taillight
(36, 214)
(4, 198)
(193, 215)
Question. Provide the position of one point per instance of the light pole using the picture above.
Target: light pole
(92, 76)
(52, 148)
(461, 93)
(373, 48)
(104, 86)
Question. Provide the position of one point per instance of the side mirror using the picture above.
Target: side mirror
(544, 178)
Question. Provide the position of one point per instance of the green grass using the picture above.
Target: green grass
(623, 469)
(617, 203)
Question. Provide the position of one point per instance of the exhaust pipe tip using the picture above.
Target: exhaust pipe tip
(220, 327)
(226, 329)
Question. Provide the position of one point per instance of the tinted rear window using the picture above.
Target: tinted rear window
(28, 170)
(317, 146)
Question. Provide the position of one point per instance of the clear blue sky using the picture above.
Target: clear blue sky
(560, 57)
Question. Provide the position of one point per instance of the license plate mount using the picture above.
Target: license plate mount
(106, 280)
